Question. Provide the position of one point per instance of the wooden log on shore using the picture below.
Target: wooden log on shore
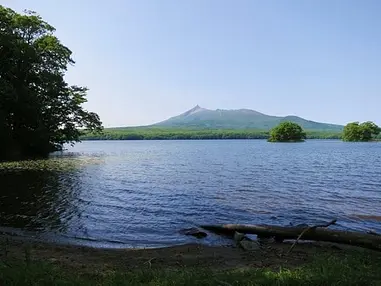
(315, 233)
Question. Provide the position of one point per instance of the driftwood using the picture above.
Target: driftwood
(310, 228)
(315, 233)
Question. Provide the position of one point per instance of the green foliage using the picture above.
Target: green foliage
(156, 133)
(351, 269)
(39, 111)
(356, 132)
(287, 131)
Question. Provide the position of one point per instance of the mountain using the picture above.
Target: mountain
(199, 117)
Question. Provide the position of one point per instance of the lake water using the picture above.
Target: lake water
(141, 193)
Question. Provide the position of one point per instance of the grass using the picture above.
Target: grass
(351, 269)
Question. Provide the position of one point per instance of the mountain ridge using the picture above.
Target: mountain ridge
(199, 117)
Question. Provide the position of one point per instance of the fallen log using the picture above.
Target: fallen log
(310, 228)
(312, 233)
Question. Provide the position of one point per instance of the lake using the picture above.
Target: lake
(141, 193)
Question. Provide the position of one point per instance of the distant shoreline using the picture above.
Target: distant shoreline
(207, 139)
(194, 134)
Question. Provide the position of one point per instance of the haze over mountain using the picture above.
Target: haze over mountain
(199, 117)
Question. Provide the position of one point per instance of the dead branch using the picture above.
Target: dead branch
(307, 229)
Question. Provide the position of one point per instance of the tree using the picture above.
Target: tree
(356, 132)
(39, 111)
(287, 132)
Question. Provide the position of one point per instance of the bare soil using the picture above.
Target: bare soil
(90, 260)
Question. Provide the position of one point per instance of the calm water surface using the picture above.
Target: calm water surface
(141, 193)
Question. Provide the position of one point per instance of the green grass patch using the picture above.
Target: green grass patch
(353, 269)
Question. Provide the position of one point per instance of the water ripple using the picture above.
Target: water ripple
(135, 194)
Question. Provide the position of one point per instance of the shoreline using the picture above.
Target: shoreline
(207, 139)
(189, 254)
(197, 134)
(31, 263)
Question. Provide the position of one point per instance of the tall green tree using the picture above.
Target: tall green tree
(287, 132)
(39, 110)
(356, 132)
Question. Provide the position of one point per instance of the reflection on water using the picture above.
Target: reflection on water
(41, 196)
(118, 194)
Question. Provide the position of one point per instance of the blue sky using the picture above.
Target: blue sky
(147, 60)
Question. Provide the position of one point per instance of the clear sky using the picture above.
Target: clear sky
(147, 60)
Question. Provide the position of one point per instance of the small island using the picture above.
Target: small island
(287, 131)
(364, 132)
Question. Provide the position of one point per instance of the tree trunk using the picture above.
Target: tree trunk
(365, 240)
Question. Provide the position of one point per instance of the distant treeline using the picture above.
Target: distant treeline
(189, 134)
